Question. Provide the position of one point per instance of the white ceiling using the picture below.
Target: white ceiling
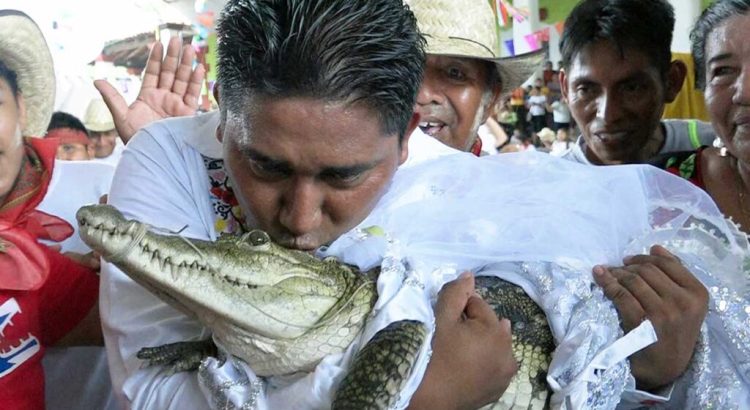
(76, 30)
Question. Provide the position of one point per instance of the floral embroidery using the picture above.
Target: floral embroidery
(229, 218)
(684, 165)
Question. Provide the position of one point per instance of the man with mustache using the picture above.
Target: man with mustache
(251, 165)
(617, 76)
(464, 76)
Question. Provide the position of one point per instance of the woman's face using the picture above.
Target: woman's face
(12, 121)
(728, 84)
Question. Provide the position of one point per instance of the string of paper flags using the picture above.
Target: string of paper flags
(504, 11)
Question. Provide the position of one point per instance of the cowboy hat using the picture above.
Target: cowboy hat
(97, 117)
(466, 28)
(24, 51)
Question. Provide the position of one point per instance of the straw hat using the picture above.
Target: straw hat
(24, 50)
(546, 135)
(467, 28)
(97, 117)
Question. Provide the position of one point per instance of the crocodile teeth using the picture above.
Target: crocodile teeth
(165, 262)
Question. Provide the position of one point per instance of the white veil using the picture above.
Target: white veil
(464, 213)
(543, 223)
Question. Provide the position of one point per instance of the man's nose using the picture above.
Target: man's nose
(609, 107)
(430, 91)
(301, 211)
(742, 90)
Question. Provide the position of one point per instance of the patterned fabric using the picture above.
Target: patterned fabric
(685, 164)
(476, 147)
(32, 320)
(23, 265)
(229, 218)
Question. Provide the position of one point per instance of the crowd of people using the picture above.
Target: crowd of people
(348, 113)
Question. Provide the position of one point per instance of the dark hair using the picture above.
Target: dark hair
(64, 120)
(642, 25)
(352, 51)
(711, 18)
(9, 76)
(494, 79)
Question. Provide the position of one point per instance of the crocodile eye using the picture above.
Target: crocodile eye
(257, 238)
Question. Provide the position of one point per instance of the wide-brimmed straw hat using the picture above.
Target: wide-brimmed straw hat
(466, 28)
(546, 135)
(98, 118)
(24, 51)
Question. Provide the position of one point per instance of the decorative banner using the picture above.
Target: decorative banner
(560, 26)
(503, 9)
(543, 35)
(501, 12)
(206, 19)
(521, 14)
(511, 48)
(531, 40)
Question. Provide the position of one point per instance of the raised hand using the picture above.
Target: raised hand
(472, 359)
(658, 287)
(170, 88)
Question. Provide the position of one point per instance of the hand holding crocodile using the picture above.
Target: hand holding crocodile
(658, 287)
(468, 336)
(282, 311)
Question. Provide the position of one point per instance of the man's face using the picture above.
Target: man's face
(103, 142)
(307, 171)
(12, 120)
(728, 84)
(454, 99)
(70, 151)
(617, 101)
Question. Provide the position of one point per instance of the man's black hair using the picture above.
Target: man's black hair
(353, 51)
(64, 120)
(711, 18)
(494, 80)
(642, 25)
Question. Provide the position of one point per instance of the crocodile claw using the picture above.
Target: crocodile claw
(180, 356)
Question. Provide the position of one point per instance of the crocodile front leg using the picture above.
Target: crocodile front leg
(382, 367)
(180, 356)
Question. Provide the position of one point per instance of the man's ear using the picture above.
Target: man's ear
(216, 92)
(563, 85)
(675, 78)
(219, 131)
(489, 109)
(404, 144)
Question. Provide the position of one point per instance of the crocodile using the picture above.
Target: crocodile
(283, 310)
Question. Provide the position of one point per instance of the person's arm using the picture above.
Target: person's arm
(658, 287)
(497, 131)
(472, 359)
(170, 88)
(152, 184)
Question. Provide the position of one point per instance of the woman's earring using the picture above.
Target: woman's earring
(718, 143)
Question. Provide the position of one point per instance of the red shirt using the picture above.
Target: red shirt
(31, 320)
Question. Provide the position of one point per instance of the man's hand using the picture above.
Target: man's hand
(170, 88)
(660, 288)
(472, 359)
